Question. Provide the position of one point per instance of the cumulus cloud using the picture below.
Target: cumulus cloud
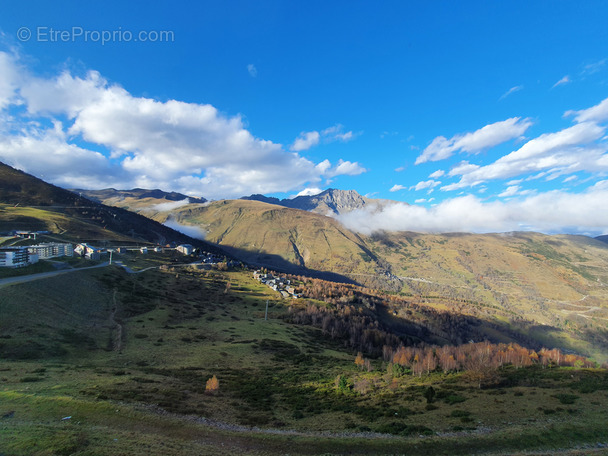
(437, 174)
(44, 152)
(489, 136)
(554, 211)
(345, 168)
(397, 187)
(425, 184)
(187, 147)
(306, 140)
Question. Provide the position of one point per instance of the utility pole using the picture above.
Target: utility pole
(266, 314)
(111, 251)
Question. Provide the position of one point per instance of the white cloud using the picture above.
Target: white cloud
(437, 174)
(306, 140)
(397, 187)
(345, 168)
(189, 230)
(512, 190)
(597, 113)
(511, 91)
(253, 71)
(594, 67)
(400, 168)
(420, 201)
(554, 211)
(570, 178)
(170, 205)
(45, 153)
(489, 136)
(463, 167)
(186, 147)
(565, 80)
(566, 151)
(425, 184)
(9, 76)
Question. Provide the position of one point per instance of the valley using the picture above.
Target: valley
(397, 342)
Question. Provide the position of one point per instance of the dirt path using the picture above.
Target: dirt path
(116, 325)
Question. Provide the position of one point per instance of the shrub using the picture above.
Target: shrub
(212, 386)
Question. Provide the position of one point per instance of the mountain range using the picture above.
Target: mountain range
(329, 202)
(557, 284)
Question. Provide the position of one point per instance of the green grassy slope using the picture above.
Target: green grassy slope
(127, 358)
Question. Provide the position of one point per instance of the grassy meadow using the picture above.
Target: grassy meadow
(102, 362)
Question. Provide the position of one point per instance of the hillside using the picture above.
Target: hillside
(556, 283)
(29, 203)
(278, 237)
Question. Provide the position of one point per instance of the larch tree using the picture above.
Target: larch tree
(212, 386)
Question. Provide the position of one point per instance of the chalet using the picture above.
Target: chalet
(186, 249)
(88, 251)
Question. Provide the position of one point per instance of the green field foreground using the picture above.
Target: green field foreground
(127, 358)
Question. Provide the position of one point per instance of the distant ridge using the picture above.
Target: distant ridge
(329, 202)
(137, 193)
(63, 211)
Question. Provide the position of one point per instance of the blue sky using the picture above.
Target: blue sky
(484, 116)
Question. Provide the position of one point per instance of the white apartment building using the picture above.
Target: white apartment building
(16, 257)
(51, 250)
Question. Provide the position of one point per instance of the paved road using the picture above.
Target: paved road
(44, 275)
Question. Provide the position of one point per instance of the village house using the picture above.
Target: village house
(88, 251)
(280, 284)
(186, 249)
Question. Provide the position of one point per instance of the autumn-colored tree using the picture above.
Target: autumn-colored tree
(359, 361)
(212, 386)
